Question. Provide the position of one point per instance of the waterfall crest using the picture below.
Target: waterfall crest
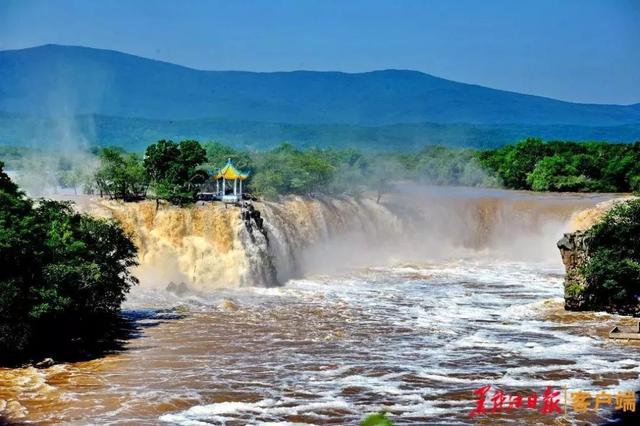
(200, 246)
(212, 246)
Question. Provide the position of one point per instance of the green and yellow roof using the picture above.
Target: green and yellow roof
(230, 172)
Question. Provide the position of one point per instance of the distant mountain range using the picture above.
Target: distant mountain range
(134, 101)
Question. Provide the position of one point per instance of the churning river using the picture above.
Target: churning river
(407, 307)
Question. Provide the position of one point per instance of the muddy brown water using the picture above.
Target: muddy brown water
(414, 337)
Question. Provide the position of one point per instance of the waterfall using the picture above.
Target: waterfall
(212, 246)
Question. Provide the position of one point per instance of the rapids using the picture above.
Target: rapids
(405, 306)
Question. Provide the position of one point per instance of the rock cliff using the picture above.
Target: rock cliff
(574, 251)
(579, 293)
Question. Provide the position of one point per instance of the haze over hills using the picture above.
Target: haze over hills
(122, 91)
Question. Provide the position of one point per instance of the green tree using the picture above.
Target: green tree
(545, 176)
(377, 419)
(218, 154)
(60, 271)
(613, 269)
(70, 179)
(521, 161)
(287, 170)
(6, 185)
(120, 175)
(268, 183)
(173, 170)
(566, 166)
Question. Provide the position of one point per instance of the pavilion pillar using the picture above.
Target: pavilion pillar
(235, 186)
(241, 188)
(217, 186)
(224, 186)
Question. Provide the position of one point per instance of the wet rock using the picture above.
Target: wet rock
(252, 217)
(574, 251)
(229, 305)
(579, 293)
(179, 290)
(255, 240)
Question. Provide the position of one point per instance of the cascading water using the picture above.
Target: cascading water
(199, 246)
(211, 246)
(255, 240)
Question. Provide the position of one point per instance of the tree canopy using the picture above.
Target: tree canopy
(59, 269)
(173, 170)
(120, 175)
(613, 268)
(566, 166)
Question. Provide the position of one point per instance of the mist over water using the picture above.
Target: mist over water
(416, 223)
(405, 306)
(60, 139)
(208, 247)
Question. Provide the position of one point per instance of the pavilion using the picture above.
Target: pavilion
(228, 173)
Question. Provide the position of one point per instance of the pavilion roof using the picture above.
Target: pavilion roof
(230, 172)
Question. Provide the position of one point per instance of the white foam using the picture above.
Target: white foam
(264, 408)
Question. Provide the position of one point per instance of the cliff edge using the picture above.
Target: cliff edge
(600, 274)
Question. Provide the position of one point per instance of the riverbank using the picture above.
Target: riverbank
(598, 256)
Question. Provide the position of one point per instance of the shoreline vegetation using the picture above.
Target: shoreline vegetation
(603, 262)
(175, 172)
(63, 279)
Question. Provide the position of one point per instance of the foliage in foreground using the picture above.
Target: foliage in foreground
(376, 419)
(613, 268)
(60, 270)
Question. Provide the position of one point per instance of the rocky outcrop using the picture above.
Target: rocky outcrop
(574, 251)
(256, 242)
(579, 293)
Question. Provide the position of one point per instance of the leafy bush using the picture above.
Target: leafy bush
(613, 270)
(60, 271)
(376, 419)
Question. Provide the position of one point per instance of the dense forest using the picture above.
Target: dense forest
(613, 266)
(173, 171)
(61, 271)
(566, 166)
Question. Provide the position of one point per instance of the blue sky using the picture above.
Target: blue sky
(577, 50)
